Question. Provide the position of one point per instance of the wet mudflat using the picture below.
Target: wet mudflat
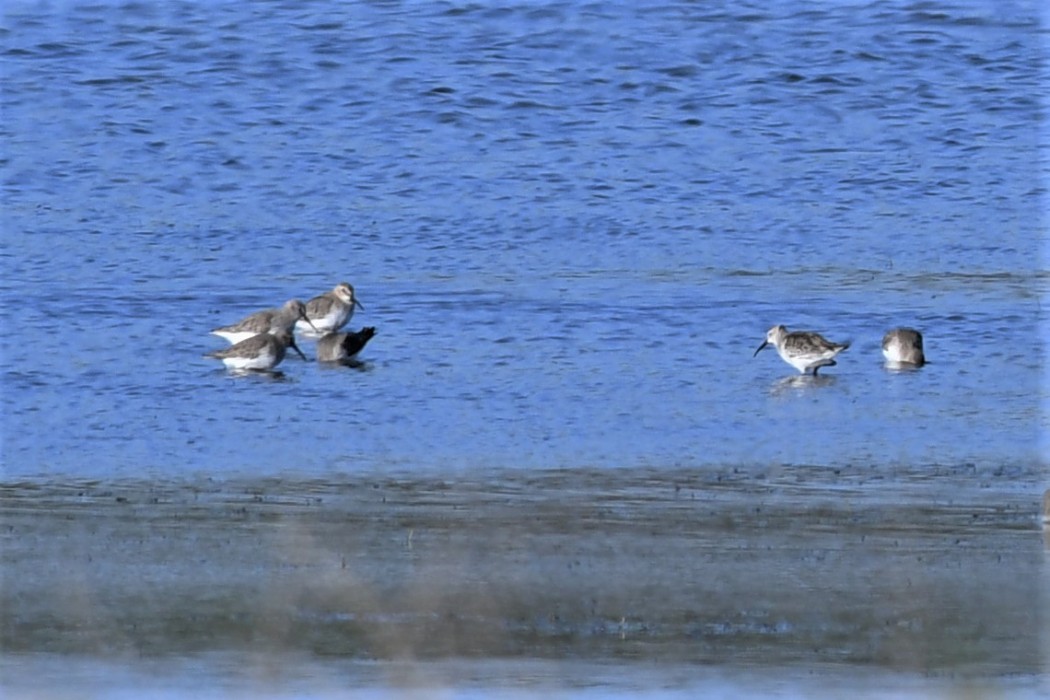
(940, 574)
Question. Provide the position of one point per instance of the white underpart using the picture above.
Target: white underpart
(900, 352)
(266, 359)
(235, 337)
(338, 315)
(805, 361)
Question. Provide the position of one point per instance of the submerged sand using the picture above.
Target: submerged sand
(754, 570)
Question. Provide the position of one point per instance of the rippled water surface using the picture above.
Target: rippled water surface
(797, 582)
(570, 223)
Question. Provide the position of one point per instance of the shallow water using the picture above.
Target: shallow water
(571, 225)
(797, 580)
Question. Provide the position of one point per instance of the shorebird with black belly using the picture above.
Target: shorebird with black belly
(343, 347)
(803, 350)
(903, 346)
(328, 312)
(260, 352)
(266, 321)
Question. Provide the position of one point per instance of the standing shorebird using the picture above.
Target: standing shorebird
(803, 350)
(330, 311)
(903, 346)
(267, 321)
(260, 352)
(343, 347)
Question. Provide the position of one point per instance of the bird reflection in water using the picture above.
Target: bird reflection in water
(799, 383)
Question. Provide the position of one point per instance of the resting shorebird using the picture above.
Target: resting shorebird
(903, 346)
(802, 350)
(343, 347)
(330, 311)
(260, 352)
(267, 321)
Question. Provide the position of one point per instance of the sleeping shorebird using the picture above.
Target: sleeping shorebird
(261, 352)
(267, 321)
(330, 311)
(343, 347)
(803, 350)
(903, 346)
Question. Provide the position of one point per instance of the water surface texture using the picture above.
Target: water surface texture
(571, 223)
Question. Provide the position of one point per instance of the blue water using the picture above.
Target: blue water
(571, 224)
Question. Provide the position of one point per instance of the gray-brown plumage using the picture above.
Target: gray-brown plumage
(328, 312)
(803, 350)
(903, 346)
(266, 321)
(343, 347)
(263, 351)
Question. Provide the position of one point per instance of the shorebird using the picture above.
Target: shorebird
(343, 347)
(260, 352)
(903, 346)
(330, 311)
(803, 350)
(267, 321)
